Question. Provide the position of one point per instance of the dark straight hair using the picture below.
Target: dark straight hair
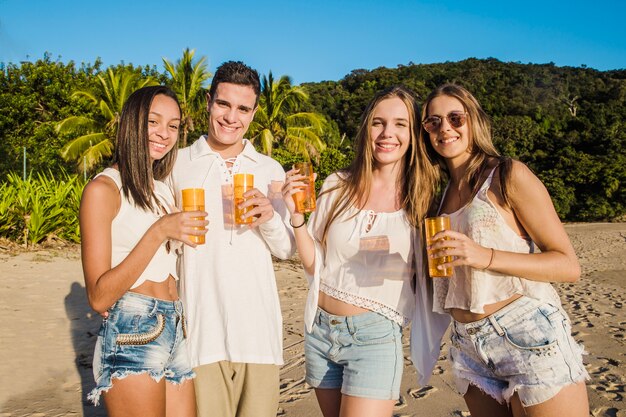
(132, 154)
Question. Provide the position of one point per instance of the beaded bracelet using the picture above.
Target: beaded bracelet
(493, 252)
(295, 227)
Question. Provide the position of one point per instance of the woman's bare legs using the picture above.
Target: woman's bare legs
(365, 407)
(136, 395)
(334, 404)
(329, 401)
(140, 395)
(180, 399)
(482, 405)
(571, 401)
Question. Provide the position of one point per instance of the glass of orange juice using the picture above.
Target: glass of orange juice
(241, 184)
(193, 200)
(305, 198)
(434, 225)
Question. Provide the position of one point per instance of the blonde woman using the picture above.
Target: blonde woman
(512, 351)
(358, 253)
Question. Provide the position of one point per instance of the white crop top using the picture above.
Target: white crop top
(129, 226)
(471, 289)
(368, 260)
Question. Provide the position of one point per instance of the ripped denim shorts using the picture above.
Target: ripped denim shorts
(525, 347)
(141, 335)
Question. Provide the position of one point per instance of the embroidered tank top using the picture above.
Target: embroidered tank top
(129, 226)
(471, 289)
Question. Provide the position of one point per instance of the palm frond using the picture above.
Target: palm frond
(75, 149)
(75, 124)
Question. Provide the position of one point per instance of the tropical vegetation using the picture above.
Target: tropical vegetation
(279, 122)
(58, 122)
(187, 79)
(92, 136)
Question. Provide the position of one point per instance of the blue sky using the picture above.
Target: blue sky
(316, 40)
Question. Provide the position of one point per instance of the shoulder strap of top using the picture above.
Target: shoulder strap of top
(487, 182)
(485, 185)
(112, 173)
(443, 197)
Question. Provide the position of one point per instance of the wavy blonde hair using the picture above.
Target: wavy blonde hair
(355, 181)
(481, 144)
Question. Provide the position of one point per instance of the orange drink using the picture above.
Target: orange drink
(193, 200)
(305, 199)
(241, 184)
(432, 226)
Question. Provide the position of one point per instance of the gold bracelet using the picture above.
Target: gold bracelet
(295, 227)
(493, 252)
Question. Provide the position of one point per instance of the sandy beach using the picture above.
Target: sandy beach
(48, 333)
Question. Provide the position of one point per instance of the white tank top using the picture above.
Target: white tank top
(129, 226)
(471, 289)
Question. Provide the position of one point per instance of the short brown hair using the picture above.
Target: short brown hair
(236, 72)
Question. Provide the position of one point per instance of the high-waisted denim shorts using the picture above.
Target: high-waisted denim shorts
(525, 347)
(360, 354)
(141, 335)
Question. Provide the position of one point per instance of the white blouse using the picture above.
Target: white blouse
(368, 260)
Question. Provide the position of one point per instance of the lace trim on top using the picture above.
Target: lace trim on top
(374, 306)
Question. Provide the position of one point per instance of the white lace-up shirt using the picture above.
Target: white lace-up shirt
(368, 260)
(228, 284)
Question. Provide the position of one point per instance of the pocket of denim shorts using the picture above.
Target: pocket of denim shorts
(99, 352)
(376, 333)
(531, 332)
(146, 329)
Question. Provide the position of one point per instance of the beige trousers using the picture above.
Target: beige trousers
(230, 389)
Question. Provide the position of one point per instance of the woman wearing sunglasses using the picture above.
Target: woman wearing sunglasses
(511, 350)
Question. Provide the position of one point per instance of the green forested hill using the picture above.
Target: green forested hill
(568, 124)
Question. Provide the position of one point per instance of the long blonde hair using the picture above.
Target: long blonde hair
(355, 181)
(481, 144)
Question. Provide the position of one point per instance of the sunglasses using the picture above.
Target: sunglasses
(455, 118)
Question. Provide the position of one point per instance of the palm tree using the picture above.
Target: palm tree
(279, 119)
(94, 137)
(187, 81)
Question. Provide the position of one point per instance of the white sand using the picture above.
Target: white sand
(48, 333)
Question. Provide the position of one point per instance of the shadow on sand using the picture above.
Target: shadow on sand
(59, 397)
(84, 325)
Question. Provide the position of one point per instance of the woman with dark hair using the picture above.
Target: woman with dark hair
(127, 220)
(512, 351)
(358, 255)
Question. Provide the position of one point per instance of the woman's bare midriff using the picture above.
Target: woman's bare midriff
(165, 290)
(466, 316)
(337, 307)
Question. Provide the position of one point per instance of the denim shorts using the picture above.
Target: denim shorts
(360, 354)
(141, 335)
(525, 347)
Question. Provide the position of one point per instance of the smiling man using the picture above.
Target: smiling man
(234, 323)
